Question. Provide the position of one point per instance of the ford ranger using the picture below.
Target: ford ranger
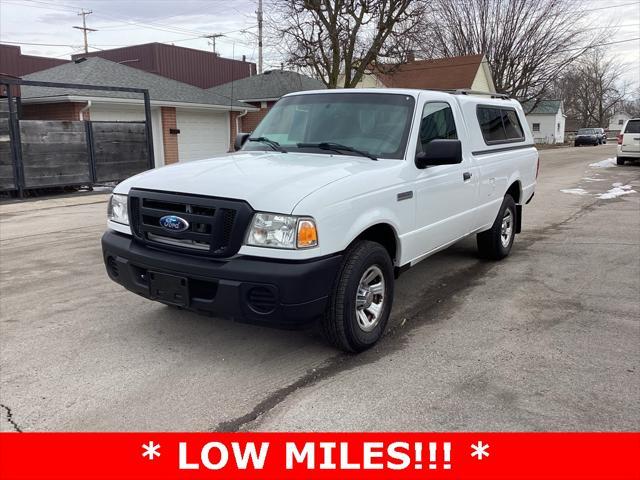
(333, 195)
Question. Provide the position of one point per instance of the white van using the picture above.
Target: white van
(333, 196)
(629, 142)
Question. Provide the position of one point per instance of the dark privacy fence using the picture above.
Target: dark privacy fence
(52, 153)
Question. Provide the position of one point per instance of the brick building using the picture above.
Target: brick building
(187, 65)
(15, 64)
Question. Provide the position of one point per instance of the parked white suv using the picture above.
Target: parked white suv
(326, 203)
(629, 142)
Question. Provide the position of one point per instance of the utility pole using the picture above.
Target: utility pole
(259, 12)
(213, 37)
(85, 29)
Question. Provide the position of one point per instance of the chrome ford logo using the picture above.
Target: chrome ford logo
(172, 223)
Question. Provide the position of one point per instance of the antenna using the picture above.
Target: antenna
(259, 12)
(84, 28)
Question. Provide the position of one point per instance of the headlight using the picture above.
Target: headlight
(117, 210)
(282, 231)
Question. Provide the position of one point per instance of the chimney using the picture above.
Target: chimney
(411, 56)
(244, 58)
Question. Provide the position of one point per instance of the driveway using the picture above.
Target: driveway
(548, 339)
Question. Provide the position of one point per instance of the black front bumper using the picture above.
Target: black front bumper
(244, 288)
(586, 141)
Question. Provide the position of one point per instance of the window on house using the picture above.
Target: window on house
(620, 122)
(499, 125)
(437, 123)
(558, 127)
(535, 127)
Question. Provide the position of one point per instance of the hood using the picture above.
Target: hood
(268, 181)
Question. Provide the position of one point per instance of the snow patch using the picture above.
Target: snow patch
(590, 179)
(575, 191)
(609, 162)
(617, 190)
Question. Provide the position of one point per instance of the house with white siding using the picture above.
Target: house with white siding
(617, 121)
(546, 120)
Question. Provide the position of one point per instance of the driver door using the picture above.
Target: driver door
(445, 194)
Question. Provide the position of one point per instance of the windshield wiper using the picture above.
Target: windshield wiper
(272, 143)
(337, 147)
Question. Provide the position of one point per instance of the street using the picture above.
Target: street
(548, 339)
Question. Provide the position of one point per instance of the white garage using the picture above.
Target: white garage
(203, 133)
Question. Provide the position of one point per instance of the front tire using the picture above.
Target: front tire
(360, 303)
(496, 243)
(619, 161)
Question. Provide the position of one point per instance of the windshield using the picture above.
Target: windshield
(586, 131)
(376, 123)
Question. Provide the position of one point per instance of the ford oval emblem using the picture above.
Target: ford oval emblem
(172, 223)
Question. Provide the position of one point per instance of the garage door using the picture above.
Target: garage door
(202, 134)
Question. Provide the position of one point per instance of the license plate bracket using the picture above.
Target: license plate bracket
(168, 288)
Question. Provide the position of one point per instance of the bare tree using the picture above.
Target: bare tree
(337, 40)
(632, 105)
(528, 43)
(594, 88)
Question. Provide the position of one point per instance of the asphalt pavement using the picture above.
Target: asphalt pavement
(548, 339)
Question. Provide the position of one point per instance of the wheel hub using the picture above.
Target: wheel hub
(507, 228)
(370, 298)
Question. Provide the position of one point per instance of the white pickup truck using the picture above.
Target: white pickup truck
(333, 195)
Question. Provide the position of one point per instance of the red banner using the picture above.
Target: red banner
(321, 456)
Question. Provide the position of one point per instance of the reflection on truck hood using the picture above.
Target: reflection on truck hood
(269, 181)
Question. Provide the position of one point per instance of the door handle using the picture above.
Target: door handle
(466, 176)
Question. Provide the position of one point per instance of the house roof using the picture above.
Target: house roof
(101, 72)
(544, 107)
(435, 74)
(268, 86)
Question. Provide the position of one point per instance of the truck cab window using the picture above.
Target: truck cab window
(437, 123)
(501, 125)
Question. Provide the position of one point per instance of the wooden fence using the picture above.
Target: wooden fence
(45, 153)
(7, 173)
(56, 153)
(120, 149)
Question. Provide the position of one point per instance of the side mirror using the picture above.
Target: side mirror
(241, 139)
(440, 152)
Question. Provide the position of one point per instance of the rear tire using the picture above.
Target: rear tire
(620, 161)
(360, 303)
(496, 243)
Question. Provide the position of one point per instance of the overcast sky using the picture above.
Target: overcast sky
(184, 22)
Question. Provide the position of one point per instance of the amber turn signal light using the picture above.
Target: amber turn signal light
(307, 234)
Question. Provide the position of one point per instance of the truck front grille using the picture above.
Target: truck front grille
(216, 226)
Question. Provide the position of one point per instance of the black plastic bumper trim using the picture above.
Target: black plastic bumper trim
(222, 287)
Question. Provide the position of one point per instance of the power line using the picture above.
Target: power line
(431, 67)
(611, 7)
(148, 25)
(44, 5)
